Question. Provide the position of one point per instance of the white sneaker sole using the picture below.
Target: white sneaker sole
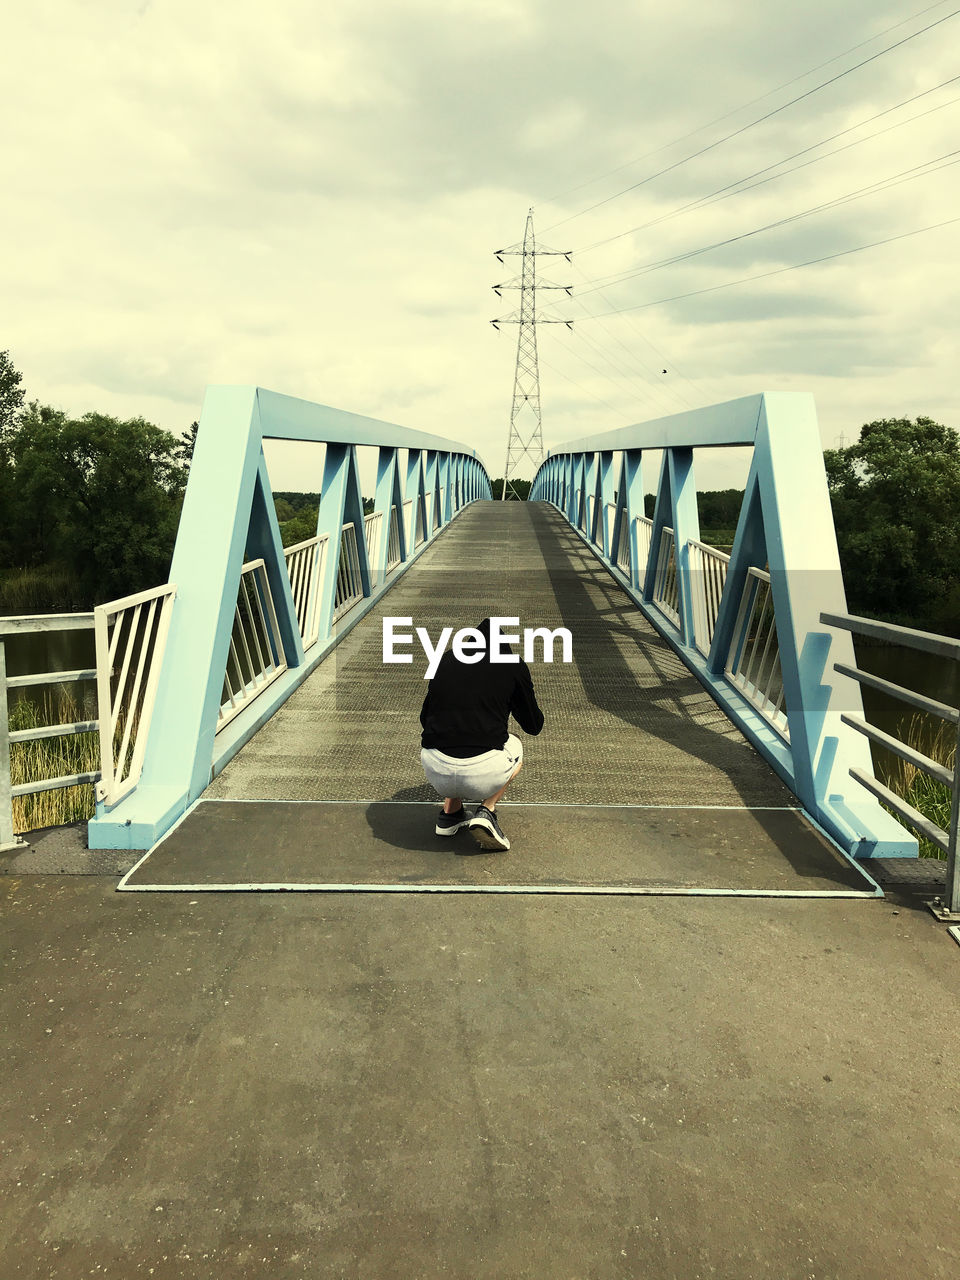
(452, 831)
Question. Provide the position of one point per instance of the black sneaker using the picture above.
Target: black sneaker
(485, 829)
(448, 824)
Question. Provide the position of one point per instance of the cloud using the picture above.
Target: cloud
(310, 201)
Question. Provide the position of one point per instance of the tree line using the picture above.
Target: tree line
(89, 508)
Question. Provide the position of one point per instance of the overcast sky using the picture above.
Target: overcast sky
(307, 196)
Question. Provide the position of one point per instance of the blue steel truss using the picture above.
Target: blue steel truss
(228, 519)
(785, 546)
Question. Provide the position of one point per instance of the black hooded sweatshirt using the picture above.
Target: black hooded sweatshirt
(468, 705)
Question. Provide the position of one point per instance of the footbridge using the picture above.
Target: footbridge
(704, 738)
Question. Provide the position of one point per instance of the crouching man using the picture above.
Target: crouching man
(468, 750)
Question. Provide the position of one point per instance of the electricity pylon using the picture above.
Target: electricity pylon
(526, 427)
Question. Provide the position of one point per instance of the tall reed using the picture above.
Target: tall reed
(52, 758)
(928, 795)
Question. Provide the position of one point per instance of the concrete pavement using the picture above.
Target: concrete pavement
(410, 1086)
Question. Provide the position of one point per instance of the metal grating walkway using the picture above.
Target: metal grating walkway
(626, 723)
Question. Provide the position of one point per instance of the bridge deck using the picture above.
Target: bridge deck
(626, 722)
(638, 784)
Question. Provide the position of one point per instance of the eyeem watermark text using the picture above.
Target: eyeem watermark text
(469, 645)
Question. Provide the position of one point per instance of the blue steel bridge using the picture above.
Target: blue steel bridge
(708, 734)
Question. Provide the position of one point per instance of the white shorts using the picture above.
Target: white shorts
(473, 778)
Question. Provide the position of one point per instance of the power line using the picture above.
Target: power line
(652, 393)
(586, 390)
(652, 389)
(779, 270)
(874, 188)
(578, 354)
(693, 383)
(767, 116)
(743, 106)
(725, 192)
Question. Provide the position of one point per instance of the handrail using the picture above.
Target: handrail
(709, 573)
(36, 624)
(349, 578)
(305, 561)
(907, 637)
(393, 540)
(256, 653)
(666, 592)
(948, 907)
(753, 659)
(128, 710)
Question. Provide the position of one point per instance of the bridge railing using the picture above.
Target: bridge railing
(947, 907)
(666, 589)
(349, 573)
(37, 624)
(252, 619)
(394, 553)
(372, 533)
(709, 570)
(256, 656)
(753, 659)
(131, 638)
(305, 569)
(748, 623)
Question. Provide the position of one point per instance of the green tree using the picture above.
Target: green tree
(11, 409)
(186, 445)
(520, 487)
(98, 496)
(896, 506)
(11, 394)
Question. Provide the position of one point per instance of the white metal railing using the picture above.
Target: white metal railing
(753, 662)
(948, 907)
(666, 592)
(611, 514)
(305, 561)
(373, 532)
(408, 523)
(131, 636)
(644, 527)
(413, 522)
(33, 625)
(256, 656)
(393, 541)
(420, 532)
(429, 511)
(349, 579)
(708, 573)
(623, 549)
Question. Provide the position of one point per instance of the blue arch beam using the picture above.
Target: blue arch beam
(785, 525)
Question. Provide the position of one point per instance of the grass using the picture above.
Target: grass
(928, 795)
(43, 589)
(52, 758)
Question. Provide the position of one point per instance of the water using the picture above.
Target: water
(923, 673)
(53, 651)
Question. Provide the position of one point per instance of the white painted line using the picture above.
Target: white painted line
(136, 866)
(954, 932)
(554, 890)
(524, 804)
